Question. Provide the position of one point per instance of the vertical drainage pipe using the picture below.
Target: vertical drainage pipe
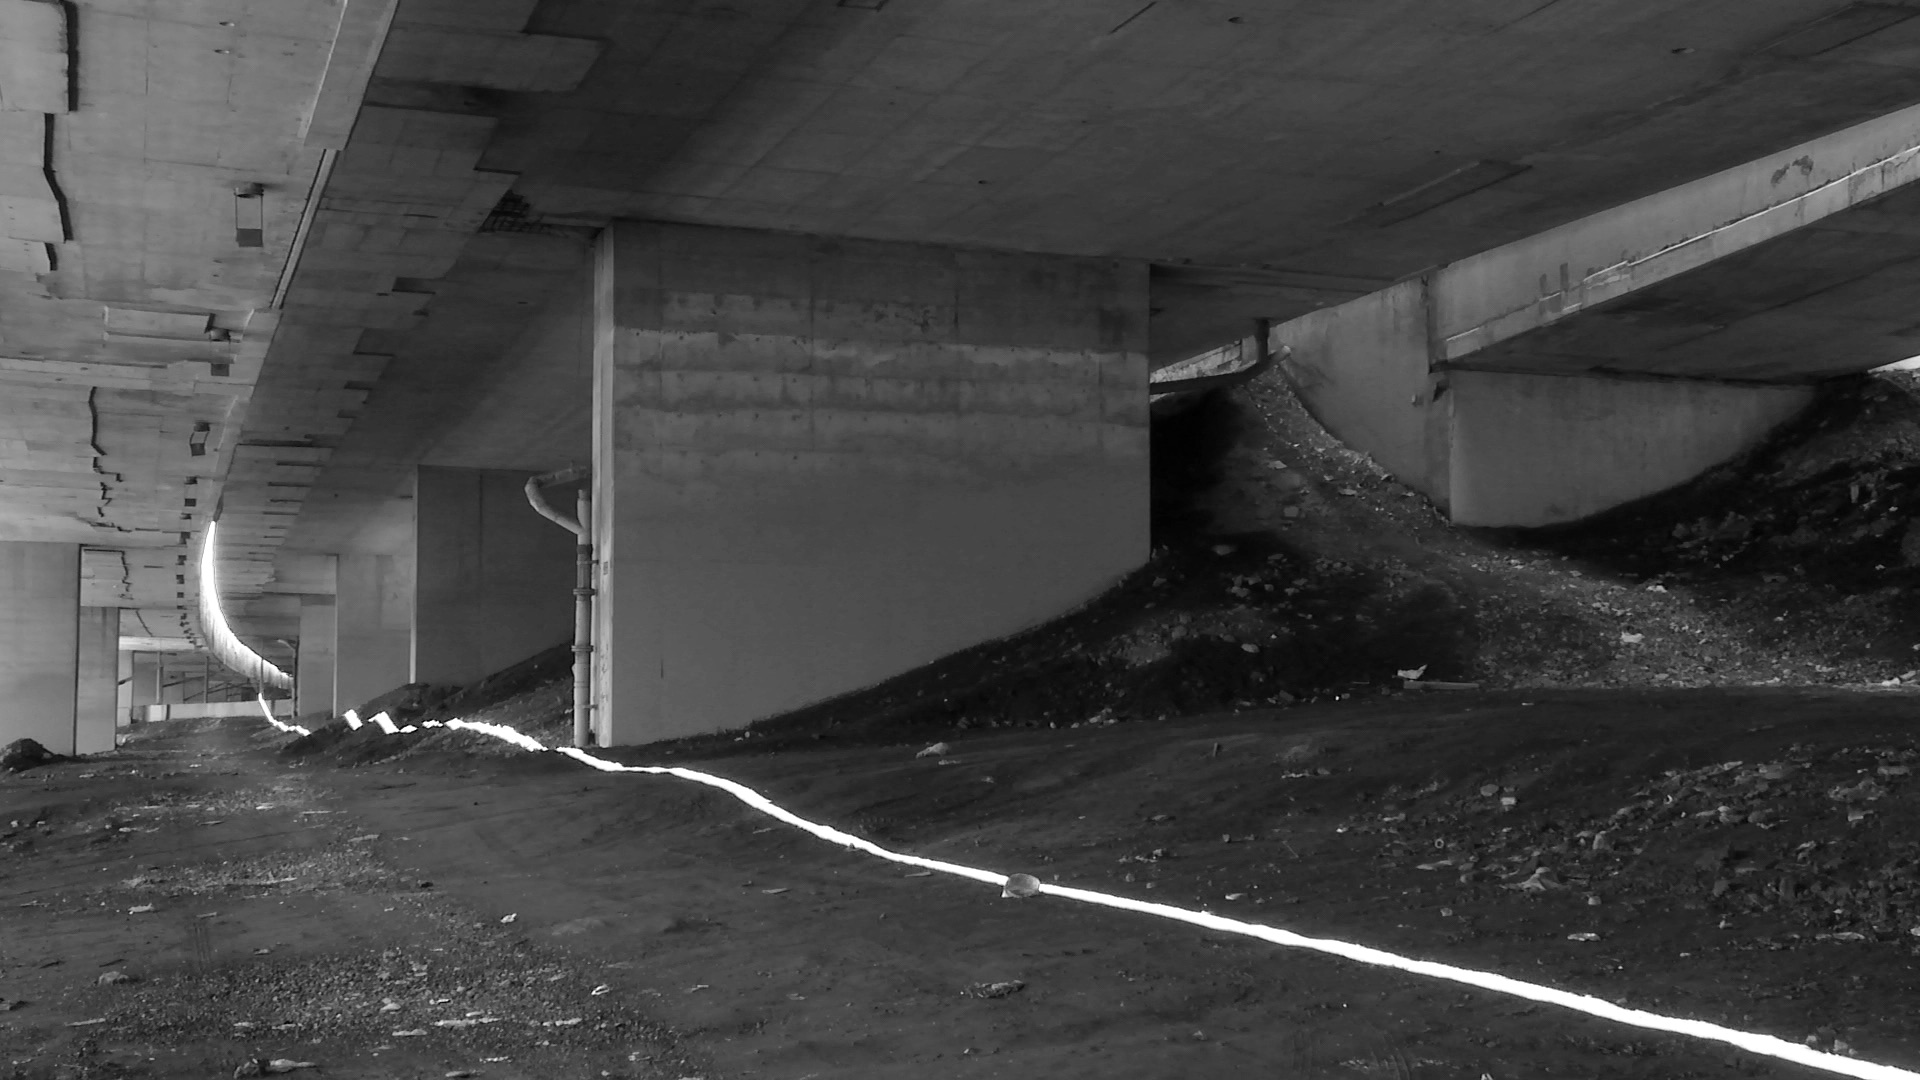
(581, 526)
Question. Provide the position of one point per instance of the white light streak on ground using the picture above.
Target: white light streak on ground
(1753, 1042)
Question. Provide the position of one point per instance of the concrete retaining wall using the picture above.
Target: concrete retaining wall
(1541, 449)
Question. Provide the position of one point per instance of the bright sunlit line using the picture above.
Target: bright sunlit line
(1908, 364)
(221, 640)
(1766, 1045)
(267, 711)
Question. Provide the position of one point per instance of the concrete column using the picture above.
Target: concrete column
(98, 672)
(374, 630)
(123, 691)
(146, 679)
(314, 674)
(821, 463)
(39, 642)
(495, 578)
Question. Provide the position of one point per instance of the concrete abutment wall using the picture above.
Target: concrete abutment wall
(1513, 448)
(820, 463)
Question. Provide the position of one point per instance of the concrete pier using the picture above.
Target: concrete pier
(315, 673)
(97, 673)
(374, 612)
(822, 463)
(39, 642)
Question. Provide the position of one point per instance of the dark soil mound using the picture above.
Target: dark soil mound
(1818, 527)
(23, 754)
(536, 671)
(405, 703)
(325, 737)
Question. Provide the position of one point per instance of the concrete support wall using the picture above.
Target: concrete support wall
(39, 642)
(1361, 369)
(1542, 449)
(98, 669)
(146, 679)
(1512, 449)
(821, 463)
(374, 609)
(495, 578)
(123, 692)
(314, 672)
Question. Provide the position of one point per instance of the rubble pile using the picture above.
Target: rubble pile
(1823, 844)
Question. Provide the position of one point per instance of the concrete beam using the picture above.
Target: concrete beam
(820, 463)
(1490, 298)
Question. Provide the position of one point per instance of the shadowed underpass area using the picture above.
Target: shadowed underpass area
(1638, 820)
(1362, 540)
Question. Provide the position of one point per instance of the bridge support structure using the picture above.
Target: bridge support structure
(821, 463)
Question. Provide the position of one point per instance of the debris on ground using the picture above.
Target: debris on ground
(995, 989)
(23, 754)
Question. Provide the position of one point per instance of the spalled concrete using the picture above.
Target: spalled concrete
(495, 578)
(1512, 448)
(821, 463)
(39, 642)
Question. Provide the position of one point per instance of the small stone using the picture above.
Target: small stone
(1021, 886)
(23, 754)
(995, 989)
(113, 978)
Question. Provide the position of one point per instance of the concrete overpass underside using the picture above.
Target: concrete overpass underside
(1011, 211)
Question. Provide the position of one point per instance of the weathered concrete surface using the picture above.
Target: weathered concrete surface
(374, 609)
(39, 642)
(1218, 145)
(495, 578)
(820, 463)
(123, 690)
(1362, 369)
(97, 671)
(1505, 448)
(1741, 287)
(314, 675)
(1542, 449)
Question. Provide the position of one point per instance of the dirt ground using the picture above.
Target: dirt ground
(1684, 784)
(354, 916)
